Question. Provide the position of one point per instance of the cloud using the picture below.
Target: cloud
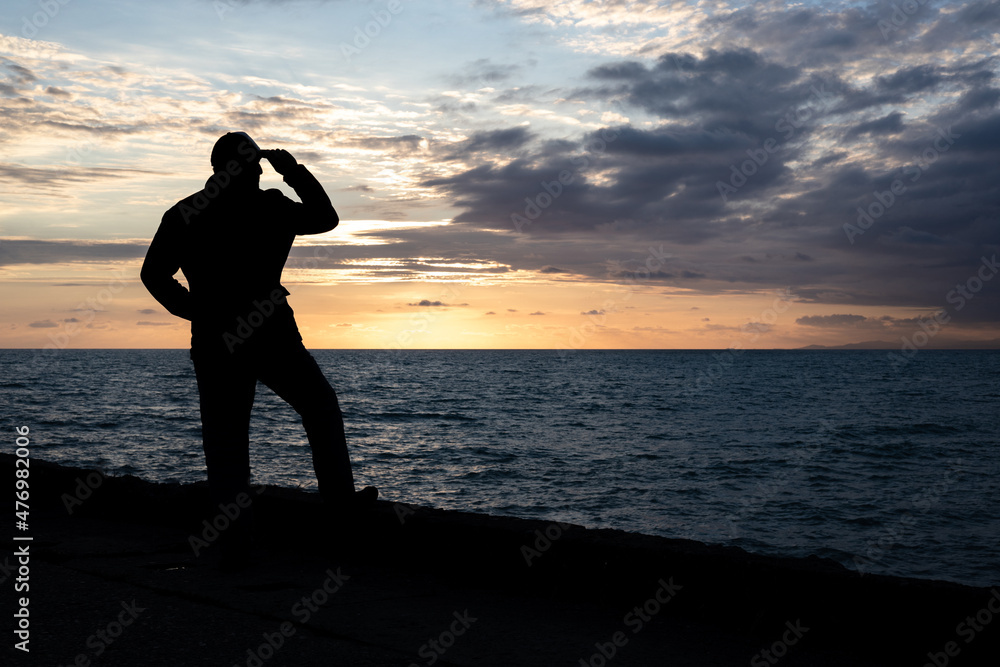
(503, 140)
(843, 321)
(147, 311)
(489, 142)
(552, 269)
(43, 324)
(144, 323)
(406, 143)
(436, 304)
(19, 73)
(835, 142)
(537, 312)
(755, 328)
(18, 251)
(891, 124)
(639, 272)
(911, 79)
(52, 179)
(483, 72)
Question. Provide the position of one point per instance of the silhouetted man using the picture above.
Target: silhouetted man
(231, 240)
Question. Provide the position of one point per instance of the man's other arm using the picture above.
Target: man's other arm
(161, 263)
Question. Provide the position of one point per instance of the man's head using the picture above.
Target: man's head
(235, 146)
(236, 158)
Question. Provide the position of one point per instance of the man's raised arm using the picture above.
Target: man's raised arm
(315, 214)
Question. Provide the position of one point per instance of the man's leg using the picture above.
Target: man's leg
(226, 391)
(292, 373)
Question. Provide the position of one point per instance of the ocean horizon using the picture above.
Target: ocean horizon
(885, 467)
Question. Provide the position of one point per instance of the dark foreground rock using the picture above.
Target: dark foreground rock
(114, 580)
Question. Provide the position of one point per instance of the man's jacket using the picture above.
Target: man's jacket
(232, 243)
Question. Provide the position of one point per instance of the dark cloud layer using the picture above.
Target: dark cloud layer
(763, 155)
(54, 252)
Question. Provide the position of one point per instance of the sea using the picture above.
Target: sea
(885, 467)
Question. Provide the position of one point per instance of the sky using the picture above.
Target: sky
(519, 173)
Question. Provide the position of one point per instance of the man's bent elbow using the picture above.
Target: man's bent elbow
(325, 223)
(148, 277)
(333, 221)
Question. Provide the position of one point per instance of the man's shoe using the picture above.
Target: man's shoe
(364, 499)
